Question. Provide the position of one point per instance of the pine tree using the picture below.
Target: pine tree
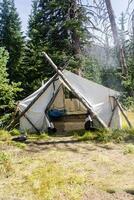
(11, 37)
(3, 62)
(56, 27)
(8, 92)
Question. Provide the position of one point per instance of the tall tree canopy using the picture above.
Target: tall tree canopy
(8, 92)
(11, 37)
(56, 27)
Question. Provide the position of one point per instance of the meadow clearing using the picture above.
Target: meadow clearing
(67, 168)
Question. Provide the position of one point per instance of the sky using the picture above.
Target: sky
(24, 9)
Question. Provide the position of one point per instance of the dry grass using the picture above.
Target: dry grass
(64, 169)
(130, 116)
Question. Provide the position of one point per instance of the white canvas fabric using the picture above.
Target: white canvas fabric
(37, 112)
(96, 95)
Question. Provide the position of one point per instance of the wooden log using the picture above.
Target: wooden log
(83, 100)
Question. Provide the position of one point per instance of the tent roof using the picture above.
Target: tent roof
(80, 82)
(69, 75)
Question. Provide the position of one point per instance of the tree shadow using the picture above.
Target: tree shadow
(131, 191)
(61, 145)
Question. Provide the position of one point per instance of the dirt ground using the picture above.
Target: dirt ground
(64, 169)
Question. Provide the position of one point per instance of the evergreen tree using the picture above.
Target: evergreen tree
(11, 37)
(56, 27)
(8, 91)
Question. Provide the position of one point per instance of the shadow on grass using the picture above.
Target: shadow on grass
(53, 142)
(62, 145)
(130, 191)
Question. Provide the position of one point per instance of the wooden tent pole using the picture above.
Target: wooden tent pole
(75, 93)
(111, 118)
(113, 110)
(122, 111)
(53, 98)
(33, 101)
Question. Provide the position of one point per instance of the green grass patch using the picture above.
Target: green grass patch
(52, 181)
(105, 136)
(86, 136)
(4, 135)
(34, 137)
(18, 144)
(5, 164)
(129, 149)
(15, 132)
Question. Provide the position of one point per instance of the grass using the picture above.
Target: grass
(86, 136)
(53, 181)
(18, 144)
(5, 164)
(129, 149)
(106, 136)
(66, 172)
(130, 116)
(42, 136)
(4, 136)
(70, 171)
(14, 132)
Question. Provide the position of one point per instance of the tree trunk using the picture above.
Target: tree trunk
(107, 51)
(133, 32)
(73, 14)
(119, 48)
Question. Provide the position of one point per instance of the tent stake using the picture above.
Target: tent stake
(75, 93)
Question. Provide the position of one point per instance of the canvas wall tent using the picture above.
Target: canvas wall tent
(99, 98)
(101, 102)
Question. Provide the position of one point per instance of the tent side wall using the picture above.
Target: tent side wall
(37, 112)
